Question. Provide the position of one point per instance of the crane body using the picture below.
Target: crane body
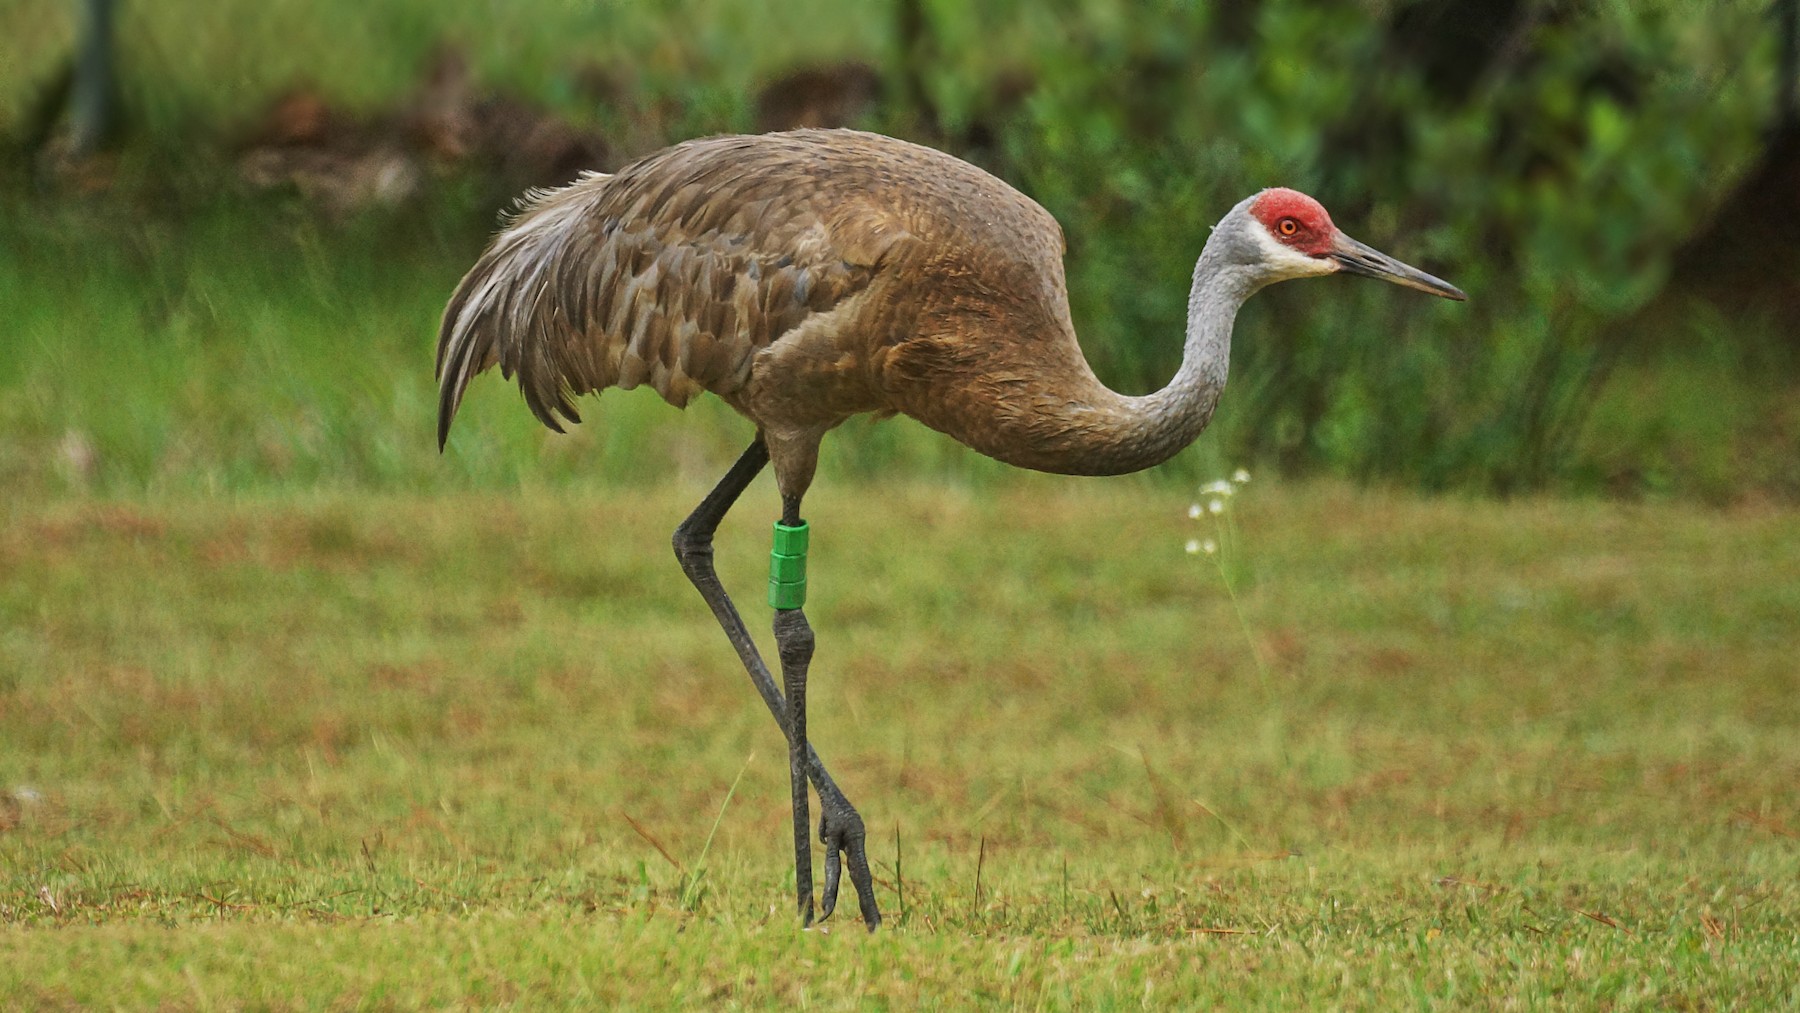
(811, 276)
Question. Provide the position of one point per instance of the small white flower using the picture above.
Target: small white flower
(1209, 546)
(1194, 512)
(1219, 488)
(1216, 507)
(1240, 476)
(1193, 546)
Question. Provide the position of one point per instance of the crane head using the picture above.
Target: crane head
(1297, 239)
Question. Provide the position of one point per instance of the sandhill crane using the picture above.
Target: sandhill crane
(810, 276)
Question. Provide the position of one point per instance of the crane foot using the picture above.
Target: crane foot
(841, 831)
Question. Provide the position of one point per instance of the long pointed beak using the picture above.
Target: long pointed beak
(1361, 258)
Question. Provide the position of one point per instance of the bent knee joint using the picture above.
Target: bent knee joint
(690, 546)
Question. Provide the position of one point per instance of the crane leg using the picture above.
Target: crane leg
(794, 644)
(840, 827)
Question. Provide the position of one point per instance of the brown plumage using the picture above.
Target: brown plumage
(802, 277)
(806, 277)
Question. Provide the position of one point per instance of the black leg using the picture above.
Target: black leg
(794, 644)
(840, 827)
(694, 548)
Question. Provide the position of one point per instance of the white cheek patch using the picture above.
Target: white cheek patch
(1286, 262)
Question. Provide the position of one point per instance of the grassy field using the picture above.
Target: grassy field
(352, 749)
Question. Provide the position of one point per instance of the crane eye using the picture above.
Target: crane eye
(1288, 226)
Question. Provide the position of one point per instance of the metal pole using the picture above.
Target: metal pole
(94, 105)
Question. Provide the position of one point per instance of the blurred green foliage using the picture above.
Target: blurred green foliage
(1554, 191)
(1550, 170)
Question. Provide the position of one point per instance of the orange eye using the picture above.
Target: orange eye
(1288, 226)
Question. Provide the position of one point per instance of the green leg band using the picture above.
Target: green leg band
(787, 567)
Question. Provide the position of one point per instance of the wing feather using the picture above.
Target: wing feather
(674, 272)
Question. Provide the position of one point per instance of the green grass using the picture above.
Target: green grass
(347, 749)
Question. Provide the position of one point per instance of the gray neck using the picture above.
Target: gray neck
(1155, 427)
(1060, 418)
